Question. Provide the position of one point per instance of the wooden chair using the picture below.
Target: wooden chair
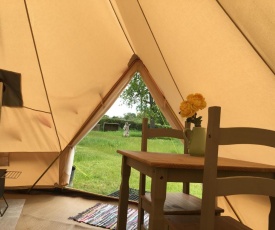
(175, 203)
(214, 186)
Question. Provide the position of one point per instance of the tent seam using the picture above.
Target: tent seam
(159, 49)
(246, 38)
(121, 27)
(41, 72)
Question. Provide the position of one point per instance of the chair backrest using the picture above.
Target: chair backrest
(214, 186)
(159, 132)
(162, 132)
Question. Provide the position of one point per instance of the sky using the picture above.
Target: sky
(118, 109)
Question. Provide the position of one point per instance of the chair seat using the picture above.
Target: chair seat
(192, 222)
(178, 203)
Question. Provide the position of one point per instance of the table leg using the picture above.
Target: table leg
(123, 195)
(158, 196)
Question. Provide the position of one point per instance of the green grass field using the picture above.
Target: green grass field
(98, 165)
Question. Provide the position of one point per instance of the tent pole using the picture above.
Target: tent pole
(231, 206)
(45, 171)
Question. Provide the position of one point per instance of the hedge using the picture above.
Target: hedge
(134, 125)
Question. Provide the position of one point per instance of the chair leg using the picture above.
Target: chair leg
(142, 182)
(3, 212)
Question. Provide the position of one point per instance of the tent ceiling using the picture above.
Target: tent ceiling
(189, 48)
(255, 19)
(71, 54)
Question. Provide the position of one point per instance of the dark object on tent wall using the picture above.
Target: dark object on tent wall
(12, 96)
(72, 176)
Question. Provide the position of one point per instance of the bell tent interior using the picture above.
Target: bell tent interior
(64, 63)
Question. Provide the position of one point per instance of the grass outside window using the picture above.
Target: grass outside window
(98, 165)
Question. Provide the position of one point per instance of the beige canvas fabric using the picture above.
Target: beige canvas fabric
(74, 60)
(50, 211)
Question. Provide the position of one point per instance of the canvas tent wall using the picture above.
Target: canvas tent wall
(73, 59)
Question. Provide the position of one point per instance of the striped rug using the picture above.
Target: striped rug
(105, 216)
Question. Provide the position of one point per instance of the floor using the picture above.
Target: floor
(45, 210)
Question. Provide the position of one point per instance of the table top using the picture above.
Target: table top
(173, 160)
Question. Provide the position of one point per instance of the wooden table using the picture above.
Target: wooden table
(167, 167)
